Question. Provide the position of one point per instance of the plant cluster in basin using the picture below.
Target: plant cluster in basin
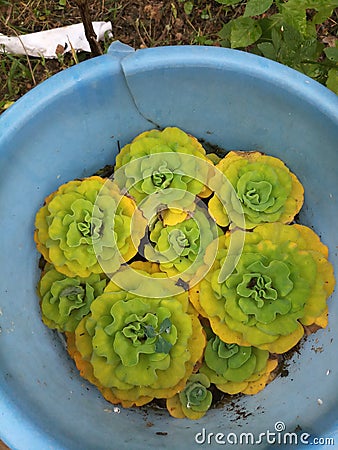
(183, 275)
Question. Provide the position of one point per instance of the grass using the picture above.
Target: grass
(19, 73)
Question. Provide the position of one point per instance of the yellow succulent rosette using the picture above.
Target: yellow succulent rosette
(168, 162)
(266, 189)
(138, 348)
(281, 282)
(236, 369)
(193, 401)
(86, 225)
(64, 301)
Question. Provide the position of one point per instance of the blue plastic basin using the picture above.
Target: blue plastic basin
(70, 126)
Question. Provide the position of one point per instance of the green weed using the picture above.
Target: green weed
(287, 32)
(292, 32)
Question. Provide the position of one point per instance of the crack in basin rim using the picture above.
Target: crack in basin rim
(249, 102)
(137, 64)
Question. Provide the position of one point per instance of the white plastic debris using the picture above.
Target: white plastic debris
(50, 43)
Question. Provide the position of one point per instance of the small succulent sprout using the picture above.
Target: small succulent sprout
(169, 162)
(265, 187)
(194, 401)
(139, 347)
(65, 300)
(281, 282)
(234, 368)
(85, 227)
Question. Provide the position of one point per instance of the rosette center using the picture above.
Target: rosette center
(90, 227)
(258, 287)
(196, 393)
(255, 194)
(178, 240)
(74, 294)
(162, 177)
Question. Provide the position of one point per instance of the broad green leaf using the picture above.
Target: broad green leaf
(310, 49)
(292, 37)
(322, 14)
(294, 14)
(225, 35)
(188, 7)
(276, 36)
(268, 50)
(269, 25)
(225, 31)
(312, 4)
(332, 80)
(332, 53)
(244, 31)
(257, 7)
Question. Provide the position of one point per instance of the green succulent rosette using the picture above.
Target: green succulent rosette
(85, 225)
(282, 281)
(64, 300)
(169, 162)
(180, 248)
(267, 190)
(234, 368)
(136, 348)
(194, 401)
